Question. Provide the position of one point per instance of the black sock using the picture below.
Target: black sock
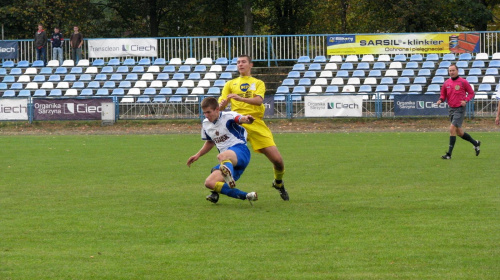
(467, 137)
(453, 139)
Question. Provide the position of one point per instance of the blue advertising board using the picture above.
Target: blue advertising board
(419, 105)
(8, 50)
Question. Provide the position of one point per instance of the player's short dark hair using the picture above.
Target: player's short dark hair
(249, 58)
(453, 64)
(210, 102)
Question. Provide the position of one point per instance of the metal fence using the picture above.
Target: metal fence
(264, 48)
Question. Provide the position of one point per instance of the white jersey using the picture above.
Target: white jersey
(225, 132)
(497, 95)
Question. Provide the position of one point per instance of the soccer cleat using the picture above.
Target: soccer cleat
(446, 156)
(252, 196)
(213, 197)
(477, 147)
(228, 177)
(282, 190)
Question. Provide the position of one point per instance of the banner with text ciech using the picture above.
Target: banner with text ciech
(419, 105)
(68, 109)
(122, 47)
(333, 106)
(14, 109)
(8, 50)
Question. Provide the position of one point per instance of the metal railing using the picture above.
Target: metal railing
(271, 49)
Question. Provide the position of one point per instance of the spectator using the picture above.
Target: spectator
(40, 44)
(57, 51)
(76, 42)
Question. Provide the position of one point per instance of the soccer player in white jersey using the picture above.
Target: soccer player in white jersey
(223, 130)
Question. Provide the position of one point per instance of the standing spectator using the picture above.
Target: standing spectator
(457, 91)
(76, 42)
(246, 96)
(57, 51)
(40, 44)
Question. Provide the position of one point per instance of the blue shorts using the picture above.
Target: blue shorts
(243, 156)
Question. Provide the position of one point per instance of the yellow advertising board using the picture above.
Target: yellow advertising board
(395, 43)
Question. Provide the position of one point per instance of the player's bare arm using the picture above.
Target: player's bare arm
(204, 149)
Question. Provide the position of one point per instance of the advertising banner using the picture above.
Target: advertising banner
(68, 109)
(269, 104)
(333, 106)
(123, 47)
(403, 43)
(8, 50)
(419, 105)
(14, 109)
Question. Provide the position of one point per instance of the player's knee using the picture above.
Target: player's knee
(209, 184)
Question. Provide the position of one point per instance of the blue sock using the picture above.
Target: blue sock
(229, 165)
(234, 193)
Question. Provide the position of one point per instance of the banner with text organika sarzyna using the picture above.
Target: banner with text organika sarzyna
(403, 43)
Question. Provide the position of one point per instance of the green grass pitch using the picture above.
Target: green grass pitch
(362, 206)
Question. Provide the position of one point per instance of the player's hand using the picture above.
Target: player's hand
(191, 160)
(463, 103)
(497, 121)
(250, 119)
(223, 104)
(438, 102)
(234, 96)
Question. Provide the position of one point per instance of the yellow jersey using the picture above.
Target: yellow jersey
(247, 87)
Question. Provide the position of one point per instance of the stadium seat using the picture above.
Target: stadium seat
(337, 81)
(147, 77)
(153, 69)
(40, 93)
(193, 76)
(29, 71)
(26, 79)
(408, 73)
(335, 58)
(358, 73)
(219, 83)
(465, 56)
(473, 79)
(98, 63)
(319, 59)
(424, 72)
(368, 58)
(87, 92)
(132, 77)
(221, 61)
(437, 80)
(353, 81)
(54, 78)
(214, 90)
(129, 62)
(114, 62)
(159, 99)
(36, 63)
(144, 62)
(399, 58)
(215, 68)
(107, 69)
(441, 72)
(210, 76)
(125, 84)
(387, 81)
(9, 93)
(299, 90)
(365, 88)
(175, 99)
(279, 98)
(83, 63)
(420, 80)
(198, 90)
(140, 84)
(384, 58)
(444, 64)
(15, 71)
(332, 89)
(78, 85)
(53, 63)
(299, 67)
(3, 86)
(116, 77)
(288, 82)
(379, 66)
(102, 92)
(16, 86)
(166, 91)
(488, 80)
(449, 56)
(32, 85)
(348, 89)
(482, 56)
(91, 70)
(71, 92)
(76, 70)
(293, 75)
(432, 57)
(206, 61)
(122, 69)
(23, 64)
(370, 81)
(320, 82)
(304, 82)
(101, 77)
(412, 65)
(494, 64)
(475, 72)
(462, 64)
(314, 67)
(342, 74)
(149, 91)
(200, 69)
(283, 90)
(326, 74)
(69, 78)
(415, 89)
(138, 69)
(61, 70)
(178, 76)
(331, 66)
(9, 79)
(24, 93)
(190, 61)
(395, 65)
(55, 93)
(416, 57)
(382, 89)
(403, 81)
(109, 84)
(352, 58)
(163, 77)
(433, 88)
(204, 83)
(391, 73)
(375, 73)
(307, 74)
(187, 84)
(347, 66)
(315, 90)
(304, 59)
(134, 91)
(62, 85)
(85, 78)
(93, 84)
(160, 61)
(492, 71)
(184, 69)
(363, 66)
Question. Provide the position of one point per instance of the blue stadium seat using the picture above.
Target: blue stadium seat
(8, 64)
(314, 67)
(363, 66)
(100, 77)
(114, 62)
(178, 76)
(213, 90)
(131, 77)
(9, 93)
(78, 85)
(379, 66)
(175, 99)
(143, 99)
(160, 61)
(462, 64)
(3, 86)
(288, 82)
(122, 69)
(437, 80)
(200, 68)
(332, 89)
(420, 80)
(16, 71)
(102, 92)
(109, 84)
(415, 89)
(23, 64)
(475, 72)
(304, 59)
(432, 57)
(428, 65)
(358, 73)
(159, 99)
(424, 72)
(38, 63)
(492, 71)
(473, 79)
(54, 78)
(220, 83)
(444, 64)
(307, 74)
(55, 92)
(98, 62)
(166, 91)
(182, 91)
(76, 70)
(24, 93)
(293, 75)
(449, 56)
(319, 59)
(387, 81)
(416, 57)
(412, 65)
(234, 60)
(365, 88)
(163, 77)
(403, 80)
(299, 67)
(441, 72)
(169, 69)
(116, 77)
(484, 88)
(16, 86)
(465, 56)
(398, 88)
(478, 64)
(129, 62)
(192, 76)
(144, 62)
(3, 72)
(138, 69)
(279, 98)
(494, 64)
(85, 78)
(304, 82)
(342, 74)
(125, 84)
(347, 66)
(408, 73)
(221, 61)
(118, 92)
(9, 79)
(107, 69)
(184, 69)
(70, 78)
(94, 84)
(433, 88)
(299, 89)
(46, 71)
(399, 57)
(40, 93)
(232, 68)
(283, 90)
(149, 91)
(375, 73)
(87, 92)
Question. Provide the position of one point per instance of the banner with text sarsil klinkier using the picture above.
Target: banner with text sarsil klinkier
(403, 43)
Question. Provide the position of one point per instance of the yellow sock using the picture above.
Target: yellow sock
(218, 186)
(278, 175)
(224, 161)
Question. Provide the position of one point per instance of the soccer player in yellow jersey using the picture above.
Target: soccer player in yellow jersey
(246, 96)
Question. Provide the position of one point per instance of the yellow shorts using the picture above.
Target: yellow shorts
(259, 135)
